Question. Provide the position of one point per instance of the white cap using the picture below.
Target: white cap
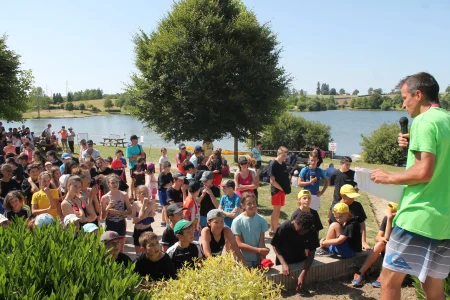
(3, 219)
(70, 218)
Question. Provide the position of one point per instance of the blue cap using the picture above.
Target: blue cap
(44, 219)
(65, 156)
(89, 227)
(198, 148)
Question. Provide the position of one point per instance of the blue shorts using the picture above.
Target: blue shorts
(162, 195)
(414, 254)
(343, 249)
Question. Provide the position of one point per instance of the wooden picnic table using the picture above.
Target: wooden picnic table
(113, 141)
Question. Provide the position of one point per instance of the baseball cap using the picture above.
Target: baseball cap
(90, 142)
(89, 227)
(182, 224)
(392, 206)
(8, 141)
(194, 186)
(173, 209)
(304, 193)
(63, 126)
(198, 148)
(3, 219)
(207, 175)
(182, 146)
(116, 164)
(133, 137)
(65, 156)
(341, 208)
(70, 128)
(214, 213)
(296, 172)
(349, 191)
(44, 219)
(70, 218)
(242, 159)
(179, 175)
(110, 236)
(228, 183)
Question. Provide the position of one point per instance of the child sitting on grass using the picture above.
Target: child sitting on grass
(382, 238)
(343, 236)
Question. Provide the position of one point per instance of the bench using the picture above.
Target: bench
(322, 269)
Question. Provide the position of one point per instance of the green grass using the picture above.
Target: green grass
(265, 207)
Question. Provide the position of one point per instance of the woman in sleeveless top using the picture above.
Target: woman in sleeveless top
(143, 213)
(89, 194)
(216, 235)
(115, 208)
(73, 203)
(245, 179)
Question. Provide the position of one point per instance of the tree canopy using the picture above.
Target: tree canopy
(208, 70)
(15, 84)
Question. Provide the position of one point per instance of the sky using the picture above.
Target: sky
(347, 44)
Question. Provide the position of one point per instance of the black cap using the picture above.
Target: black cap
(179, 175)
(194, 186)
(90, 142)
(173, 209)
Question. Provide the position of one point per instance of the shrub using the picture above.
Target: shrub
(421, 294)
(295, 133)
(219, 278)
(49, 263)
(381, 146)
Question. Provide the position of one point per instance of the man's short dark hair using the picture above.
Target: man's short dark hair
(51, 153)
(423, 82)
(346, 159)
(9, 154)
(133, 137)
(305, 220)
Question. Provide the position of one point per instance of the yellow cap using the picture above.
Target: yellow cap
(393, 206)
(349, 191)
(304, 193)
(340, 208)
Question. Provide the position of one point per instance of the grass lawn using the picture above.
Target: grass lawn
(265, 207)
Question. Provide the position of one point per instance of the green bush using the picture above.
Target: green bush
(295, 133)
(218, 278)
(49, 263)
(381, 146)
(421, 294)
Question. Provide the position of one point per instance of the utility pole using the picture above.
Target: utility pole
(67, 87)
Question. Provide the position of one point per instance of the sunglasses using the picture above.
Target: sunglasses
(243, 163)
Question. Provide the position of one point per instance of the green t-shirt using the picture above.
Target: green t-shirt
(425, 208)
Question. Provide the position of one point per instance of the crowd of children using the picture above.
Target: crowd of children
(199, 220)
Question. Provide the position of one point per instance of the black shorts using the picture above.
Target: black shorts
(258, 164)
(138, 182)
(119, 227)
(137, 233)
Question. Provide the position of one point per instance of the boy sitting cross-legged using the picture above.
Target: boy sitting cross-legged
(343, 236)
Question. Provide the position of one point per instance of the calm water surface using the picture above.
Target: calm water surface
(346, 127)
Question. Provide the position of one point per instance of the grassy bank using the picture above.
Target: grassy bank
(265, 207)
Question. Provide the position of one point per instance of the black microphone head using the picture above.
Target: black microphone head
(403, 121)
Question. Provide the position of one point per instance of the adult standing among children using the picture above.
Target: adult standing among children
(64, 135)
(134, 151)
(71, 140)
(182, 158)
(420, 241)
(280, 186)
(90, 152)
(244, 179)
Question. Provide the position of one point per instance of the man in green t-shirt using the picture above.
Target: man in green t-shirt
(419, 244)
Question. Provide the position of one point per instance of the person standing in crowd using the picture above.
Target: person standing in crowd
(46, 200)
(165, 181)
(133, 152)
(175, 193)
(174, 214)
(48, 130)
(116, 207)
(182, 158)
(209, 196)
(138, 175)
(256, 154)
(75, 203)
(83, 147)
(192, 212)
(304, 204)
(142, 215)
(309, 179)
(207, 147)
(216, 163)
(420, 241)
(198, 150)
(90, 152)
(163, 159)
(71, 140)
(28, 151)
(230, 203)
(9, 148)
(280, 186)
(320, 154)
(7, 183)
(244, 179)
(64, 135)
(31, 184)
(342, 176)
(51, 157)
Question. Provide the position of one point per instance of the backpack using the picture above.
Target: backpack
(140, 149)
(265, 174)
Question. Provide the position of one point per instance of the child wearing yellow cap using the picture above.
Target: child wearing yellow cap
(382, 238)
(344, 236)
(348, 196)
(304, 204)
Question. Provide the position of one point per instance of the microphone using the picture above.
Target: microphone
(404, 129)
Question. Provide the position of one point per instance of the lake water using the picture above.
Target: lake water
(346, 127)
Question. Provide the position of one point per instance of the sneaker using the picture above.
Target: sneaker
(376, 283)
(323, 252)
(358, 280)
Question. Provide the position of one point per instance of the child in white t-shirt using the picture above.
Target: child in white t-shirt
(162, 159)
(294, 179)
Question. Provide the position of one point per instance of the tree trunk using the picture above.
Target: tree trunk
(236, 149)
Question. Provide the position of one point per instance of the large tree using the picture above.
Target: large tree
(15, 84)
(207, 71)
